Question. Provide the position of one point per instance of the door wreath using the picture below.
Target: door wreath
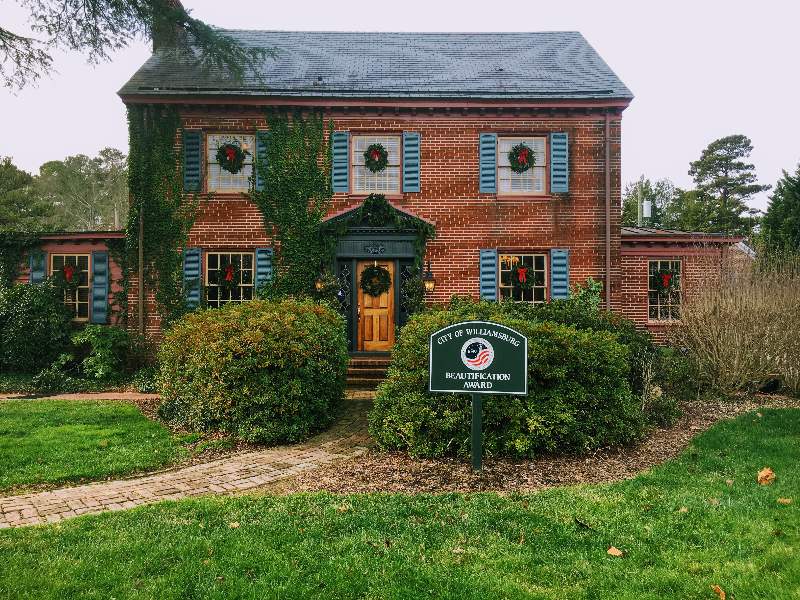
(376, 158)
(666, 281)
(521, 158)
(229, 277)
(520, 278)
(375, 280)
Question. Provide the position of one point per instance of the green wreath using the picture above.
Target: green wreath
(521, 158)
(375, 280)
(376, 158)
(229, 277)
(666, 280)
(231, 157)
(521, 277)
(68, 278)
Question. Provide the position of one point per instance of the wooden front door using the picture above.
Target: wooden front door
(375, 313)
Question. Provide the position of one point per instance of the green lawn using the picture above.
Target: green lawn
(53, 441)
(546, 545)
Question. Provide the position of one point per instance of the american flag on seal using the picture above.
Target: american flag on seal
(477, 354)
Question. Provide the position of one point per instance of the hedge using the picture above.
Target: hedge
(35, 326)
(265, 371)
(578, 393)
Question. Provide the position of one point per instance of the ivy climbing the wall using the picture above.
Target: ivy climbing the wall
(13, 247)
(295, 197)
(156, 189)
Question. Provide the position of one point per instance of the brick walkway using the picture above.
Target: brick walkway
(347, 437)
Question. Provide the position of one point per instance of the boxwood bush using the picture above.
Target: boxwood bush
(578, 397)
(35, 326)
(266, 371)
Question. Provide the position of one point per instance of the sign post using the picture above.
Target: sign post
(478, 357)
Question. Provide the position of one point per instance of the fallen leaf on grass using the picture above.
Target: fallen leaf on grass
(343, 508)
(729, 482)
(713, 501)
(458, 551)
(784, 501)
(766, 476)
(759, 414)
(719, 592)
(234, 525)
(614, 551)
(683, 509)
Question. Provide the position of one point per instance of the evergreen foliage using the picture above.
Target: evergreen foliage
(781, 224)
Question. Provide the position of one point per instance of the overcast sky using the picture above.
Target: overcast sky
(699, 69)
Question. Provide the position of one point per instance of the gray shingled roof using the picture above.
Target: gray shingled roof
(553, 65)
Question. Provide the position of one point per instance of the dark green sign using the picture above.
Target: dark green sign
(478, 357)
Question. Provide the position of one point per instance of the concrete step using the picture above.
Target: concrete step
(360, 383)
(367, 372)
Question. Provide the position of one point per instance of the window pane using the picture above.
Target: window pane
(364, 180)
(220, 179)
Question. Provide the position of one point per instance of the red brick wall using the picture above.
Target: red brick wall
(465, 220)
(701, 265)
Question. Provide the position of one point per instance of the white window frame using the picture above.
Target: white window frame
(207, 271)
(220, 181)
(506, 264)
(388, 181)
(674, 299)
(532, 182)
(72, 299)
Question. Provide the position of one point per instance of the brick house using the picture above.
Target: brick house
(448, 108)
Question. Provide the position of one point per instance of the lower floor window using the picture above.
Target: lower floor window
(523, 277)
(229, 277)
(74, 268)
(664, 290)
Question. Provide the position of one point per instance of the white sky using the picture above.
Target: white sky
(699, 69)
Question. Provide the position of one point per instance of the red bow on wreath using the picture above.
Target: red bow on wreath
(229, 273)
(522, 274)
(375, 155)
(69, 271)
(666, 279)
(522, 157)
(230, 153)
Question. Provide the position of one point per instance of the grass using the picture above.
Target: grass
(546, 545)
(56, 441)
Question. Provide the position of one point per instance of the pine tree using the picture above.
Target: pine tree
(724, 183)
(781, 223)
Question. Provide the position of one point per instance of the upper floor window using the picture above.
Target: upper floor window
(229, 277)
(533, 180)
(523, 277)
(220, 179)
(664, 290)
(75, 268)
(365, 181)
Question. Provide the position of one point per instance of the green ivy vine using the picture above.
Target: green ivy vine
(13, 247)
(156, 189)
(295, 198)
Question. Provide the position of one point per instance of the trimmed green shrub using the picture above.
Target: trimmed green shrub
(34, 326)
(106, 351)
(578, 393)
(265, 371)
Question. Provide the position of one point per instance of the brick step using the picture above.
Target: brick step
(360, 383)
(367, 372)
(380, 363)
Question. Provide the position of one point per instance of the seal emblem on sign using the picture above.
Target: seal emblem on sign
(477, 354)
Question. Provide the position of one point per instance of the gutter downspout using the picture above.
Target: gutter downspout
(608, 210)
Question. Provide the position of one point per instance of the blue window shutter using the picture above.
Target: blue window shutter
(559, 163)
(263, 266)
(559, 274)
(38, 265)
(488, 163)
(411, 160)
(262, 140)
(192, 160)
(192, 276)
(488, 274)
(100, 281)
(340, 167)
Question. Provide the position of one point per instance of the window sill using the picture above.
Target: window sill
(524, 196)
(663, 323)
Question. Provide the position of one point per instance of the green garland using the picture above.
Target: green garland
(375, 280)
(376, 158)
(231, 157)
(521, 158)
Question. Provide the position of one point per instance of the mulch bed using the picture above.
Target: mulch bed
(398, 473)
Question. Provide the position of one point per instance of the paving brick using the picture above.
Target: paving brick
(239, 472)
